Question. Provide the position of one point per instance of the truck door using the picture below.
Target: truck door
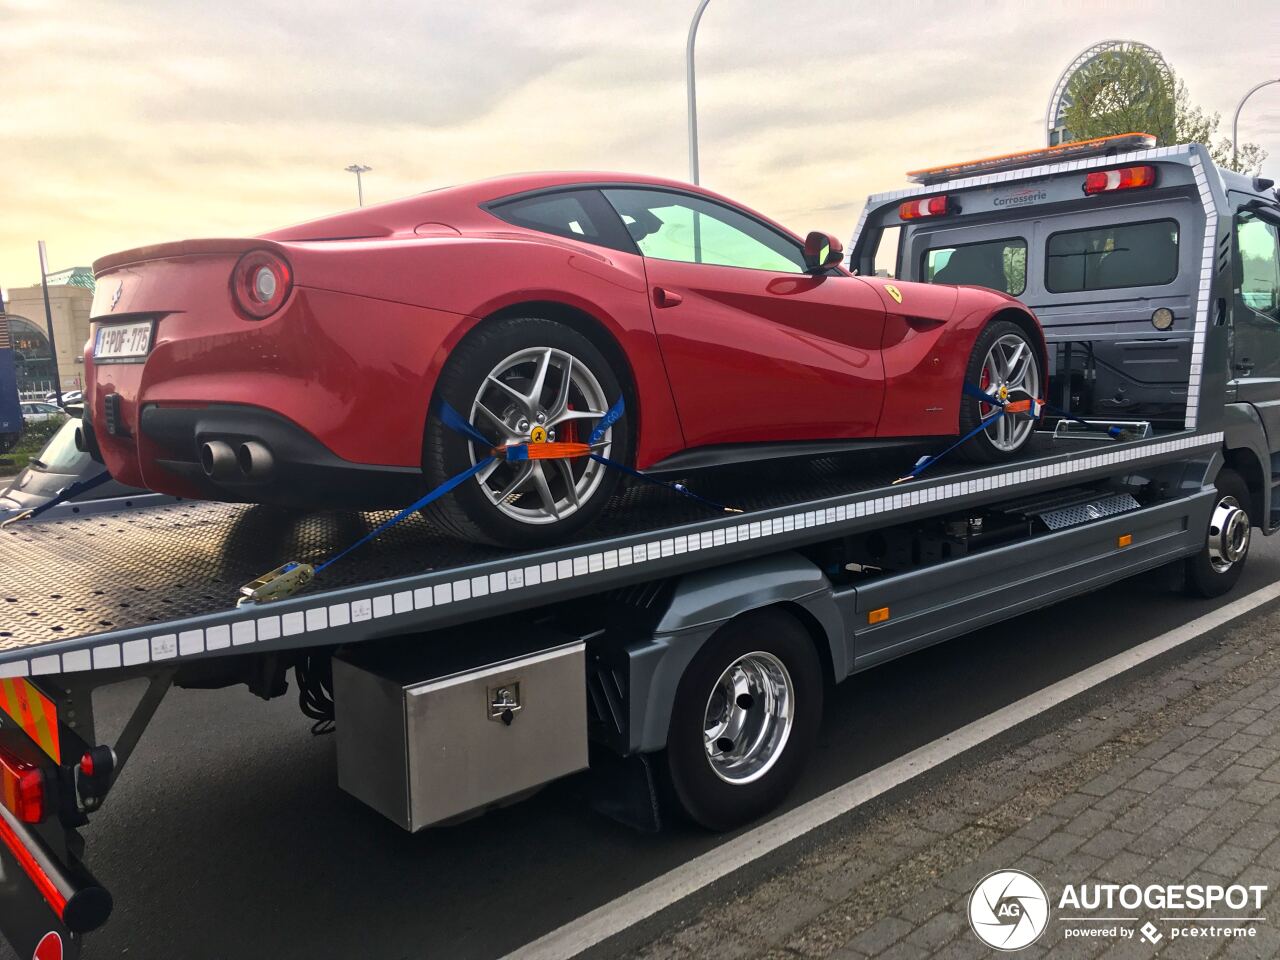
(1255, 316)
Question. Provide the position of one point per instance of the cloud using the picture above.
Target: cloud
(135, 123)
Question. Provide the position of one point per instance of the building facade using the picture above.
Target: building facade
(70, 299)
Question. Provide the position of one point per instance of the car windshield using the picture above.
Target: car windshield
(60, 454)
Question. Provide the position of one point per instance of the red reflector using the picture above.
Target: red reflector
(929, 207)
(1124, 178)
(21, 788)
(86, 764)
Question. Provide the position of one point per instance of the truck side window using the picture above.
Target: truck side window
(1256, 317)
(1111, 257)
(998, 264)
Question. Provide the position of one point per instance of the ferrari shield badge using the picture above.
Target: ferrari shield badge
(894, 292)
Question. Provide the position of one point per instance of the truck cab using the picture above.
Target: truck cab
(1155, 274)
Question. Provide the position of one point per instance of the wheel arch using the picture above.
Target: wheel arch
(591, 327)
(705, 602)
(1025, 319)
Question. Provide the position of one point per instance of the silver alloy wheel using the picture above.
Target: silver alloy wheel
(540, 392)
(1010, 364)
(748, 718)
(1228, 534)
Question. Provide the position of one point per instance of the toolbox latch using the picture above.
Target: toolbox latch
(504, 702)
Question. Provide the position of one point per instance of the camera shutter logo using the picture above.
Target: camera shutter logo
(1008, 910)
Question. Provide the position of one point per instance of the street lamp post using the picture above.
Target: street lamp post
(48, 323)
(1235, 121)
(358, 169)
(692, 91)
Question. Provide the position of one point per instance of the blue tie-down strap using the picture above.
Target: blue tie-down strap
(69, 492)
(291, 577)
(924, 463)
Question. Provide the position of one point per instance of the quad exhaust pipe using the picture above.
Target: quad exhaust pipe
(218, 460)
(255, 460)
(250, 460)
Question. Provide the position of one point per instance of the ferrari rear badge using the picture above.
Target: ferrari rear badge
(115, 297)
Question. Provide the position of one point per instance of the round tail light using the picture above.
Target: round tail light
(260, 283)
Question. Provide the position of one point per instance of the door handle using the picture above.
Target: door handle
(662, 297)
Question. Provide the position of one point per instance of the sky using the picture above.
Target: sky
(129, 122)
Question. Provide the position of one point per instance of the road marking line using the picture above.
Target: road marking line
(649, 898)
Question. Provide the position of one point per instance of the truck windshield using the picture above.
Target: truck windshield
(1113, 256)
(998, 264)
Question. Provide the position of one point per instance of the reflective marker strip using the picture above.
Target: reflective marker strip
(139, 651)
(34, 713)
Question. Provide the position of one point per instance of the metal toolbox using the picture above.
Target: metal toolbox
(423, 736)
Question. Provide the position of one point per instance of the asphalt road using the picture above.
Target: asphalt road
(228, 836)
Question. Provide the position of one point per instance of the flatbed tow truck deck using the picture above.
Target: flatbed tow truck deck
(160, 584)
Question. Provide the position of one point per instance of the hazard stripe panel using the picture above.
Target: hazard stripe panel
(34, 713)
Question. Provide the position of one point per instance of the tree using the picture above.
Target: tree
(1126, 91)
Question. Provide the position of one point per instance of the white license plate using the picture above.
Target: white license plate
(122, 341)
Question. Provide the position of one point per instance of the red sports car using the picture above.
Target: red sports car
(308, 366)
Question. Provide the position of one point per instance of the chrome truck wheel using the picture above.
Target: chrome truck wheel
(524, 380)
(1216, 568)
(745, 719)
(749, 717)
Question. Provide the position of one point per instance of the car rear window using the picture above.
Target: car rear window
(576, 214)
(1111, 257)
(997, 264)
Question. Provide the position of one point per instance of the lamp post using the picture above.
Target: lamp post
(358, 169)
(692, 91)
(1235, 121)
(48, 322)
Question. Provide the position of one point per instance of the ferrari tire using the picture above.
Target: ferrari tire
(1216, 568)
(745, 720)
(1004, 355)
(488, 379)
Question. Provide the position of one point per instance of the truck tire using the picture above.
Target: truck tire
(745, 720)
(988, 369)
(491, 369)
(1216, 568)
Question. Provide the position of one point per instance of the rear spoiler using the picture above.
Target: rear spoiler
(181, 248)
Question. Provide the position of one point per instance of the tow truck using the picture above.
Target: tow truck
(680, 658)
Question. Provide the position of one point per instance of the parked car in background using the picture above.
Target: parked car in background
(236, 370)
(37, 411)
(71, 396)
(58, 465)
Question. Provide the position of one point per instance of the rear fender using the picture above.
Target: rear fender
(701, 604)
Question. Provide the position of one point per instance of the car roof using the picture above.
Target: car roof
(461, 206)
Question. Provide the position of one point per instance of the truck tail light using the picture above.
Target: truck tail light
(22, 788)
(928, 207)
(1122, 178)
(260, 283)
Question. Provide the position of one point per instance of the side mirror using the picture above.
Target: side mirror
(821, 251)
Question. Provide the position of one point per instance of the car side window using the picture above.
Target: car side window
(576, 214)
(1256, 316)
(688, 229)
